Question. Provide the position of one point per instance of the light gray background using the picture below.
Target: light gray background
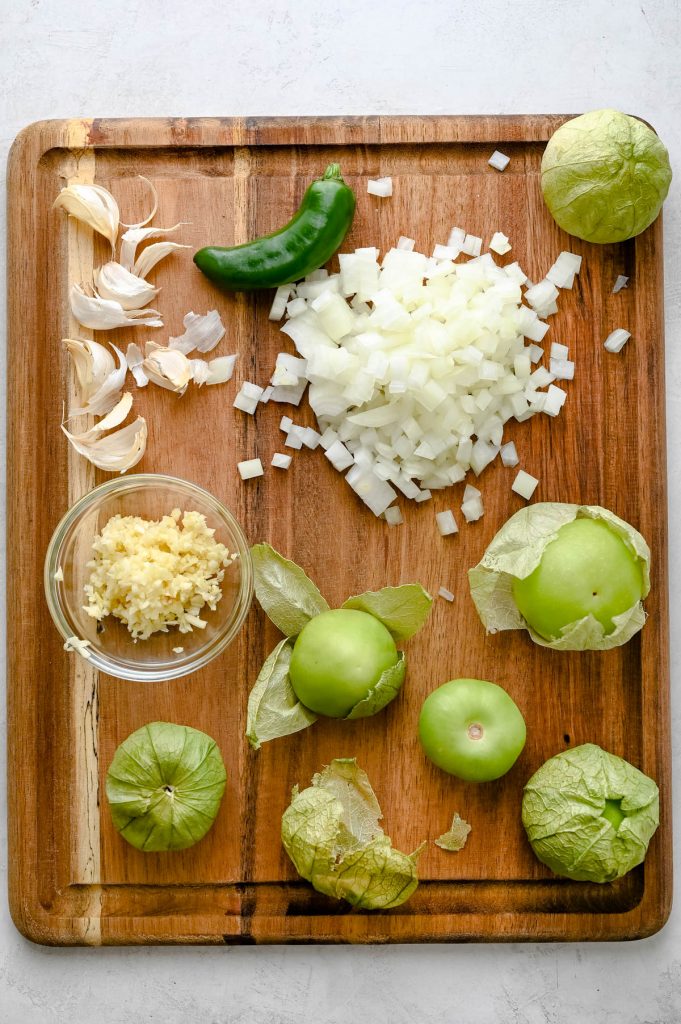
(64, 58)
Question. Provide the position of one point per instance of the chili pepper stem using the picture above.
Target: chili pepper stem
(332, 171)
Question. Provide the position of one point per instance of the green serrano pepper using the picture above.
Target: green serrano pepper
(301, 246)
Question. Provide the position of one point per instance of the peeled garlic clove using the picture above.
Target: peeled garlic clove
(114, 282)
(220, 370)
(132, 238)
(104, 314)
(108, 393)
(134, 359)
(168, 368)
(141, 223)
(153, 254)
(201, 332)
(92, 205)
(116, 452)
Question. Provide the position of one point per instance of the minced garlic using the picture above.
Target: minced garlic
(153, 574)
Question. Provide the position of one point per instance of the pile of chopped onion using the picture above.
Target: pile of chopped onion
(415, 365)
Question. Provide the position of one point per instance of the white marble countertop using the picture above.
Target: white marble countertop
(65, 58)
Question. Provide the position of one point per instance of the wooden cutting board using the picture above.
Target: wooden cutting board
(72, 878)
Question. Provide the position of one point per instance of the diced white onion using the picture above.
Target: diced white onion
(620, 282)
(616, 341)
(281, 461)
(562, 369)
(406, 243)
(500, 243)
(559, 351)
(472, 509)
(446, 523)
(509, 455)
(499, 161)
(445, 594)
(472, 245)
(281, 297)
(524, 484)
(250, 468)
(285, 424)
(563, 271)
(382, 187)
(339, 456)
(393, 516)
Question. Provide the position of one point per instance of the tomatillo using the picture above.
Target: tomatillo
(472, 729)
(337, 660)
(586, 570)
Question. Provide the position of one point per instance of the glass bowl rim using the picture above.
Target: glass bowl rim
(141, 481)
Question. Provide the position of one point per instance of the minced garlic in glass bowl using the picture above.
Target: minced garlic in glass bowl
(154, 592)
(156, 574)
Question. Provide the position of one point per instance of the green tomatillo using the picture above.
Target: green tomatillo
(586, 570)
(338, 659)
(472, 729)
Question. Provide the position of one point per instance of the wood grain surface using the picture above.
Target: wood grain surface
(72, 878)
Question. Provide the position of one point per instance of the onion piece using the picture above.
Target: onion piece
(393, 516)
(281, 461)
(621, 281)
(445, 594)
(499, 161)
(382, 187)
(446, 523)
(250, 468)
(499, 243)
(281, 297)
(616, 341)
(524, 484)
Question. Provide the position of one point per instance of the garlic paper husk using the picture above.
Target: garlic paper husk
(202, 332)
(117, 451)
(92, 205)
(220, 370)
(92, 362)
(105, 314)
(113, 418)
(154, 208)
(516, 551)
(153, 254)
(135, 236)
(134, 359)
(167, 368)
(112, 281)
(200, 371)
(101, 401)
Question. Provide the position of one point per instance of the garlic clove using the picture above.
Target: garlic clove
(92, 363)
(108, 393)
(202, 332)
(167, 368)
(116, 452)
(104, 314)
(114, 282)
(92, 205)
(114, 418)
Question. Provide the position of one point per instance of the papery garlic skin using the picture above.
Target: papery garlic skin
(202, 332)
(101, 401)
(92, 362)
(114, 453)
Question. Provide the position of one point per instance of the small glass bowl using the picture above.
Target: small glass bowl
(112, 648)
